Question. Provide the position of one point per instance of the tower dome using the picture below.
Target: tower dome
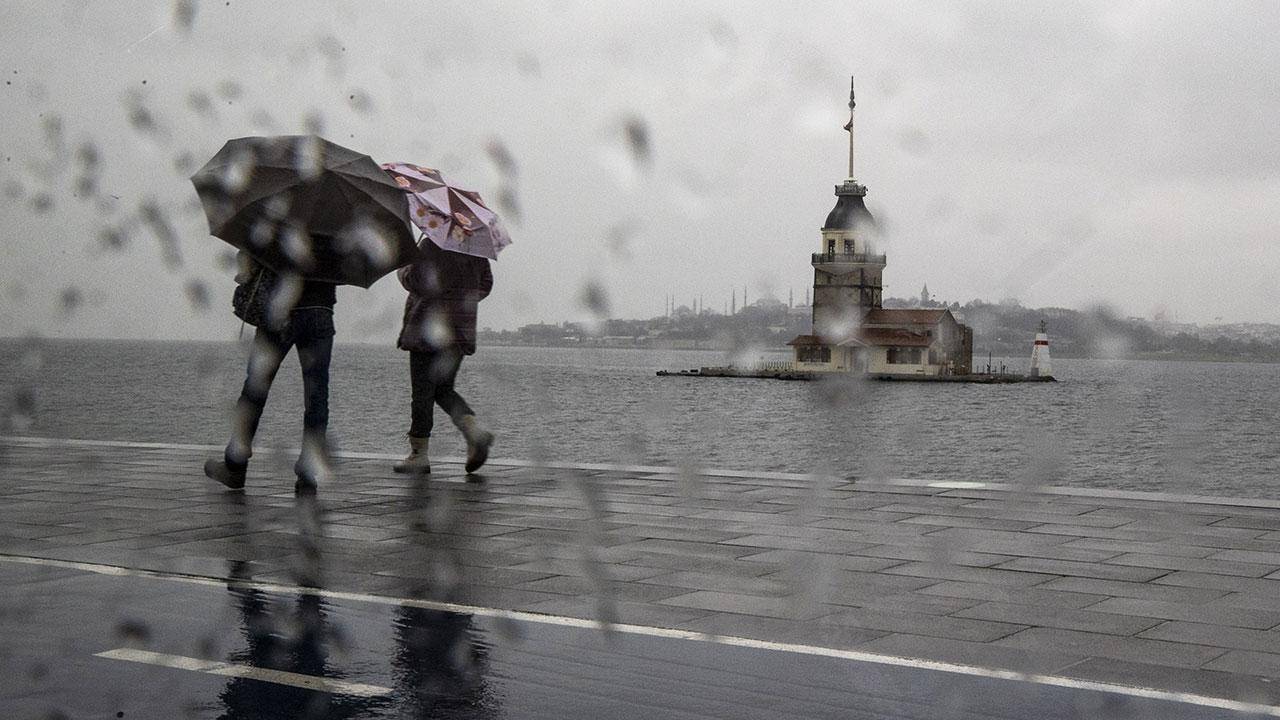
(850, 212)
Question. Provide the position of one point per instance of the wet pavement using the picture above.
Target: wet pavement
(136, 588)
(90, 645)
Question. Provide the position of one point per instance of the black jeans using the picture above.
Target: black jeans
(431, 375)
(311, 332)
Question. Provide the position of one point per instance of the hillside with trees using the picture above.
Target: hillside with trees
(1003, 329)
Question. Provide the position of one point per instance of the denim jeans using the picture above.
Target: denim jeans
(431, 376)
(311, 332)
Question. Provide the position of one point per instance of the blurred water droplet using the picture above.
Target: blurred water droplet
(619, 235)
(112, 238)
(226, 261)
(528, 65)
(157, 221)
(53, 132)
(314, 123)
(38, 671)
(13, 190)
(69, 301)
(200, 102)
(230, 90)
(308, 157)
(198, 295)
(502, 158)
(360, 102)
(88, 156)
(595, 298)
(237, 173)
(638, 139)
(507, 202)
(22, 409)
(133, 633)
(85, 187)
(42, 202)
(185, 164)
(296, 244)
(184, 15)
(263, 120)
(913, 141)
(140, 117)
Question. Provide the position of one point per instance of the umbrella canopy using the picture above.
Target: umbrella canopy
(452, 218)
(303, 205)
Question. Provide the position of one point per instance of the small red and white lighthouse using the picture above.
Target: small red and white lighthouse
(1041, 366)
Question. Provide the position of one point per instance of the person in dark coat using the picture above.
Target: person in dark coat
(445, 290)
(301, 317)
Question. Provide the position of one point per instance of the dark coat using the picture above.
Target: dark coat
(445, 290)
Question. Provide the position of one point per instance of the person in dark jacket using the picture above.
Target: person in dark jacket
(445, 290)
(300, 316)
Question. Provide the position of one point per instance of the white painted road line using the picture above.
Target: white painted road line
(690, 635)
(279, 677)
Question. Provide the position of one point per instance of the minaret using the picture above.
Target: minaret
(734, 306)
(847, 271)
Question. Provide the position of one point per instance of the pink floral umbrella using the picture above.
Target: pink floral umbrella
(452, 218)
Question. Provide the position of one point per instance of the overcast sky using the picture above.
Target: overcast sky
(1060, 153)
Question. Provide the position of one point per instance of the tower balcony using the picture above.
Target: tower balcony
(848, 258)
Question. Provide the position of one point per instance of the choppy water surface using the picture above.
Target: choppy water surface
(1205, 428)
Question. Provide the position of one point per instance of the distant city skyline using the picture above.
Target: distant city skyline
(1064, 154)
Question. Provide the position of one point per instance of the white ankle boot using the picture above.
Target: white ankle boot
(416, 462)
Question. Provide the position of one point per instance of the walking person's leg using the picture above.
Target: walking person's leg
(268, 352)
(315, 351)
(421, 412)
(478, 439)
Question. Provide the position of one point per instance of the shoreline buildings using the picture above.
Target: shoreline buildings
(851, 331)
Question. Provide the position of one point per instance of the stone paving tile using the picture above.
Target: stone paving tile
(1215, 614)
(1247, 662)
(1057, 617)
(590, 587)
(1207, 682)
(1139, 590)
(1117, 547)
(804, 632)
(1247, 600)
(990, 576)
(1081, 569)
(1038, 596)
(1135, 649)
(786, 608)
(745, 585)
(822, 560)
(1047, 660)
(921, 624)
(1215, 635)
(1212, 581)
(1209, 565)
(937, 553)
(614, 611)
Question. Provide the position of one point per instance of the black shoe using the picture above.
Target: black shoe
(304, 487)
(478, 451)
(224, 473)
(309, 476)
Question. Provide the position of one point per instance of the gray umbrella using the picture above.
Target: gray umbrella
(301, 204)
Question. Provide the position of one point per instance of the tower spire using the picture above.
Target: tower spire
(849, 126)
